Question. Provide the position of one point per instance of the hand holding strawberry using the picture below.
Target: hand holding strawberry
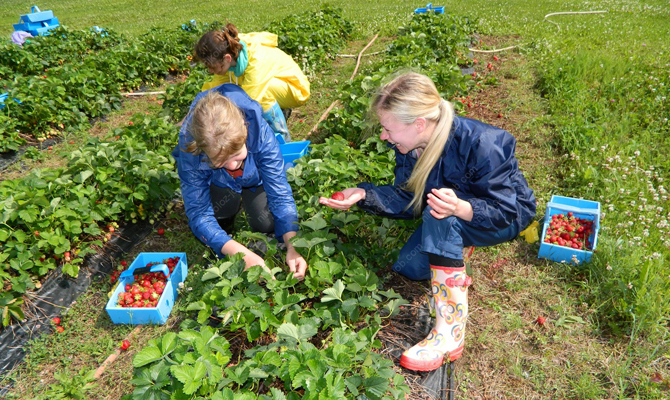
(343, 200)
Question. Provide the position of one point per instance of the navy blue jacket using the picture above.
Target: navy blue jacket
(478, 163)
(264, 165)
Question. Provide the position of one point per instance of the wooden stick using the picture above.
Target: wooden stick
(115, 355)
(336, 102)
(361, 54)
(141, 93)
(323, 116)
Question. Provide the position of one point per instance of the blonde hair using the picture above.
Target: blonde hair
(218, 128)
(408, 97)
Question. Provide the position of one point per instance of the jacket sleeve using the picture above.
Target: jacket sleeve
(494, 196)
(199, 210)
(270, 165)
(390, 200)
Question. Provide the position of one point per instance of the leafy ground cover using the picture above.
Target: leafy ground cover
(605, 333)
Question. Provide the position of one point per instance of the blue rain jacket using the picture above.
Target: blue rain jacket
(479, 165)
(264, 165)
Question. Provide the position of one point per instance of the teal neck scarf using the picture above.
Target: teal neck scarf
(242, 61)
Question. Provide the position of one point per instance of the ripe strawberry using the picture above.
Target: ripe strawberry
(500, 115)
(55, 321)
(60, 329)
(125, 344)
(489, 66)
(540, 321)
(339, 196)
(161, 231)
(130, 123)
(495, 58)
(124, 263)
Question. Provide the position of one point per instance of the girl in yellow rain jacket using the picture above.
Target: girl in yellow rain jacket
(253, 61)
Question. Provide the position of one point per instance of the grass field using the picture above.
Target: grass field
(587, 101)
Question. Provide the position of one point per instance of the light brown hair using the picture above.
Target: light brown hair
(214, 45)
(218, 128)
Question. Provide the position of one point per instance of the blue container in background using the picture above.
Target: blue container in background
(585, 209)
(292, 151)
(37, 22)
(429, 7)
(156, 315)
(3, 99)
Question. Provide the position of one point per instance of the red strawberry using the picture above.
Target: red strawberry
(339, 196)
(500, 115)
(540, 321)
(161, 231)
(130, 123)
(125, 344)
(60, 329)
(55, 321)
(124, 263)
(495, 58)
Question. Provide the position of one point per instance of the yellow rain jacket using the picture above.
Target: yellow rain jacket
(271, 75)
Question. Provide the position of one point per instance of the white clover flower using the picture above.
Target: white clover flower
(610, 207)
(637, 153)
(609, 267)
(630, 285)
(621, 191)
(181, 285)
(590, 184)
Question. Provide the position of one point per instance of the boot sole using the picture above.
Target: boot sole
(416, 365)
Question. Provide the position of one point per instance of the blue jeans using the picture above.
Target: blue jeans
(444, 237)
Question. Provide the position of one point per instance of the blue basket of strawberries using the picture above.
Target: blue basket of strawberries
(570, 232)
(147, 290)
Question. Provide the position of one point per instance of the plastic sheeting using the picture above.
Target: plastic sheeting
(60, 291)
(436, 384)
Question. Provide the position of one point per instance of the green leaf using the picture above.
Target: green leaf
(334, 293)
(146, 356)
(289, 331)
(316, 223)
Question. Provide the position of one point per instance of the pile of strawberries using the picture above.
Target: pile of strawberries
(147, 288)
(569, 231)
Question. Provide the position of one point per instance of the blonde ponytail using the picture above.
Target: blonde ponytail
(408, 97)
(417, 181)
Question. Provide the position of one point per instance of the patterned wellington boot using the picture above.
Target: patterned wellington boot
(450, 292)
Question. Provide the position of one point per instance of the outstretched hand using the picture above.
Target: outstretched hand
(351, 197)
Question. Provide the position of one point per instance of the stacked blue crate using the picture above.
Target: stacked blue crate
(37, 22)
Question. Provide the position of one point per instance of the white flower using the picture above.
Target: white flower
(609, 267)
(630, 285)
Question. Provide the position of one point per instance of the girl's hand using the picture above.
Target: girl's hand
(296, 263)
(351, 197)
(444, 203)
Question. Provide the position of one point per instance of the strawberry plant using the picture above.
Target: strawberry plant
(312, 38)
(415, 47)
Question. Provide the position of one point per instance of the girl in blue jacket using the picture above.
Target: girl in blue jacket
(462, 178)
(227, 153)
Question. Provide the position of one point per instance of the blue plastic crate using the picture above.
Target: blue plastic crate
(160, 313)
(280, 138)
(292, 151)
(580, 208)
(429, 7)
(36, 15)
(3, 99)
(37, 22)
